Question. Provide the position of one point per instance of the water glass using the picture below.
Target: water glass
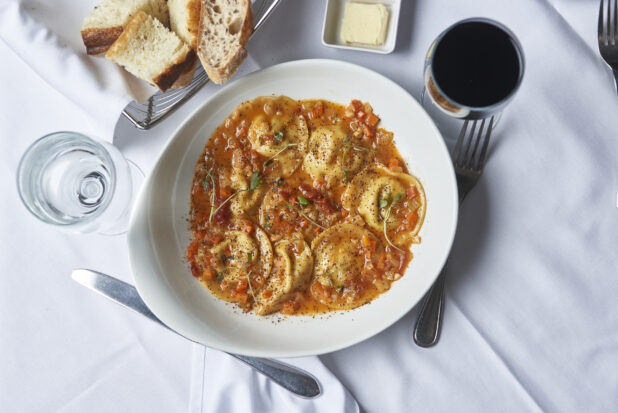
(78, 183)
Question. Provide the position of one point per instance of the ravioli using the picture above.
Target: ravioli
(338, 262)
(238, 250)
(244, 201)
(293, 265)
(332, 156)
(371, 194)
(283, 138)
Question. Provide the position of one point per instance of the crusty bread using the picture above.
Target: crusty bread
(185, 19)
(106, 22)
(150, 51)
(225, 27)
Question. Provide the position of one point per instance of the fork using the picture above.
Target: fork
(162, 104)
(608, 35)
(469, 163)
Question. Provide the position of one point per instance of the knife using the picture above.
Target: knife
(289, 377)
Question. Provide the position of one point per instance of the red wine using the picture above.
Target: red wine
(476, 64)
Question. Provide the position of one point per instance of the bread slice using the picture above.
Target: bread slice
(225, 27)
(106, 22)
(150, 51)
(185, 19)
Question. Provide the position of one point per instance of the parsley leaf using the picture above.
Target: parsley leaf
(278, 137)
(383, 203)
(255, 181)
(302, 200)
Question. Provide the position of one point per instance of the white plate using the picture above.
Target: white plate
(158, 233)
(333, 19)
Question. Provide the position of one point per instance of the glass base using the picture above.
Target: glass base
(121, 226)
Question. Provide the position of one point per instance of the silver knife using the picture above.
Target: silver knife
(289, 377)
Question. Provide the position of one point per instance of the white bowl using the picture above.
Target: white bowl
(158, 232)
(333, 19)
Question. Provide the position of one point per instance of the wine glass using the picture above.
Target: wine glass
(472, 71)
(78, 183)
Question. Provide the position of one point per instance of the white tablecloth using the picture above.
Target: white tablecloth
(531, 321)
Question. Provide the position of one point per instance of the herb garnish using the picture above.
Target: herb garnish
(249, 258)
(339, 288)
(212, 192)
(396, 199)
(383, 203)
(269, 160)
(295, 208)
(302, 200)
(254, 183)
(278, 137)
(250, 287)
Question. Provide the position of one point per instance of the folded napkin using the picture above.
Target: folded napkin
(223, 384)
(47, 38)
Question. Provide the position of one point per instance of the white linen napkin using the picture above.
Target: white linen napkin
(222, 384)
(47, 38)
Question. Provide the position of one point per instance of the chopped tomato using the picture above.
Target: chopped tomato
(411, 192)
(411, 220)
(393, 165)
(192, 250)
(290, 307)
(320, 291)
(195, 270)
(267, 294)
(243, 285)
(208, 274)
(372, 120)
(240, 296)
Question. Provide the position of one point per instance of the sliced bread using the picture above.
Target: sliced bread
(106, 22)
(225, 27)
(185, 19)
(150, 51)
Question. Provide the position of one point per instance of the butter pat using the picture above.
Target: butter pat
(364, 23)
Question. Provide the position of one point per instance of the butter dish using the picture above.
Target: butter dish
(333, 21)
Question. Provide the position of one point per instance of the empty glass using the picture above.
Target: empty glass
(78, 184)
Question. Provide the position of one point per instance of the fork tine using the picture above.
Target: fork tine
(600, 25)
(465, 156)
(476, 145)
(460, 139)
(615, 21)
(611, 23)
(481, 161)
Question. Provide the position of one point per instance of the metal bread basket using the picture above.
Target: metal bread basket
(161, 104)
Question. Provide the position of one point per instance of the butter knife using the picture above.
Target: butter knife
(289, 377)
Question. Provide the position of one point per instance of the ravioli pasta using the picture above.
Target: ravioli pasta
(302, 207)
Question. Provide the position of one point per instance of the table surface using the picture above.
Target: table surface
(531, 321)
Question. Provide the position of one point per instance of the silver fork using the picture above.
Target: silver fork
(469, 162)
(608, 35)
(162, 104)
